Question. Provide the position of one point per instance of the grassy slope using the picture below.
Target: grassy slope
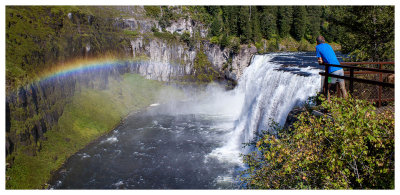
(90, 114)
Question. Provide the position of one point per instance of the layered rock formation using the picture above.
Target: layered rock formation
(165, 61)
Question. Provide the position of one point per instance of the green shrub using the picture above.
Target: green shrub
(153, 11)
(185, 37)
(131, 33)
(234, 44)
(260, 47)
(355, 150)
(224, 41)
(204, 72)
(166, 36)
(227, 64)
(304, 46)
(214, 40)
(154, 29)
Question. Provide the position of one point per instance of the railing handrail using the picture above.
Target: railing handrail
(384, 84)
(349, 65)
(361, 68)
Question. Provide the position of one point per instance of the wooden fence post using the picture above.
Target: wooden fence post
(326, 80)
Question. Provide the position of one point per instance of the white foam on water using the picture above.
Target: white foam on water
(118, 184)
(117, 152)
(155, 122)
(84, 155)
(110, 140)
(225, 179)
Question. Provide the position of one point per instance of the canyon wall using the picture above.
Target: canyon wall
(33, 109)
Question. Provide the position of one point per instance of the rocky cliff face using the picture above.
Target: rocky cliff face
(164, 61)
(238, 64)
(160, 60)
(163, 56)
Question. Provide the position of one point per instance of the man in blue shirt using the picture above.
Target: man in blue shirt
(325, 54)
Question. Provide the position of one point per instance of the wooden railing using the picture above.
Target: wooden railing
(351, 66)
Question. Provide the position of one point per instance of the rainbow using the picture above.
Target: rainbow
(76, 65)
(86, 64)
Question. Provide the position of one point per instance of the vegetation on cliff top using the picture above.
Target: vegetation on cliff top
(90, 114)
(354, 150)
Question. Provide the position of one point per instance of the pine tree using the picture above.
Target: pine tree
(299, 22)
(314, 14)
(225, 18)
(215, 28)
(233, 20)
(285, 16)
(268, 20)
(212, 10)
(369, 31)
(244, 24)
(255, 24)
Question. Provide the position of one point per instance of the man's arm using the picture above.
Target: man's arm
(320, 61)
(319, 56)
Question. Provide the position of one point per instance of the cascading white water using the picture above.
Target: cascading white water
(269, 94)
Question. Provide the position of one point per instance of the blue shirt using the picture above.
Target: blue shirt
(325, 51)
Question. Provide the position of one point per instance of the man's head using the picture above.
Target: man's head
(320, 39)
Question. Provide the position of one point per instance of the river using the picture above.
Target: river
(194, 143)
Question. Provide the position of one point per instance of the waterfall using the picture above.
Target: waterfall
(270, 92)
